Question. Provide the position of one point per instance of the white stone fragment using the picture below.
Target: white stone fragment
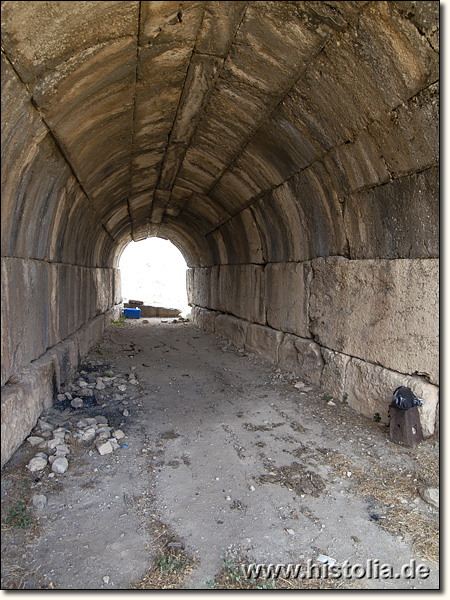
(35, 440)
(45, 426)
(60, 465)
(105, 448)
(37, 464)
(430, 495)
(62, 449)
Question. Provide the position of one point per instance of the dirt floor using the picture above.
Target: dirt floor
(226, 461)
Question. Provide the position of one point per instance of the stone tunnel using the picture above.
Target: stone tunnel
(290, 150)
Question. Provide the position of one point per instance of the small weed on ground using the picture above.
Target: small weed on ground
(233, 577)
(238, 573)
(118, 322)
(18, 516)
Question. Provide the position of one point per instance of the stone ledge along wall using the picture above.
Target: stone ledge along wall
(289, 150)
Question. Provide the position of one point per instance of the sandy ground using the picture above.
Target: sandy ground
(224, 461)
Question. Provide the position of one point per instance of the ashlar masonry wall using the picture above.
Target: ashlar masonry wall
(356, 328)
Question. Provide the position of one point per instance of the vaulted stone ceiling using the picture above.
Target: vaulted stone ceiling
(176, 116)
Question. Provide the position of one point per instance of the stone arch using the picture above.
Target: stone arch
(289, 150)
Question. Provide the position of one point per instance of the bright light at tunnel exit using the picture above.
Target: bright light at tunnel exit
(154, 271)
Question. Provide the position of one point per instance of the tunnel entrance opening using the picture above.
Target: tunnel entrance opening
(154, 272)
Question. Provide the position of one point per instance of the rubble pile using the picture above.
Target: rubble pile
(77, 418)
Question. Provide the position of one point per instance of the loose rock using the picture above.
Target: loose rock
(35, 440)
(105, 448)
(60, 465)
(45, 426)
(430, 495)
(39, 501)
(37, 464)
(62, 449)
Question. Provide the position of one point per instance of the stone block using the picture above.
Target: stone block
(24, 313)
(22, 404)
(302, 357)
(264, 341)
(356, 165)
(65, 355)
(241, 292)
(277, 215)
(219, 24)
(204, 318)
(190, 286)
(370, 390)
(333, 373)
(407, 139)
(429, 412)
(382, 311)
(232, 329)
(286, 297)
(88, 335)
(397, 220)
(200, 295)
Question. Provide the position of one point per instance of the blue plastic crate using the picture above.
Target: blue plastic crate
(132, 313)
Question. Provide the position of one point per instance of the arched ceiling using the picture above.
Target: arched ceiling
(176, 118)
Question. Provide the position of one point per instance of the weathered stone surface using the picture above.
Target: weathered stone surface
(429, 412)
(405, 210)
(39, 501)
(286, 289)
(35, 440)
(42, 303)
(333, 373)
(35, 391)
(430, 495)
(104, 448)
(264, 341)
(232, 329)
(240, 291)
(302, 357)
(385, 312)
(247, 133)
(204, 318)
(370, 390)
(201, 293)
(60, 465)
(37, 464)
(406, 138)
(356, 165)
